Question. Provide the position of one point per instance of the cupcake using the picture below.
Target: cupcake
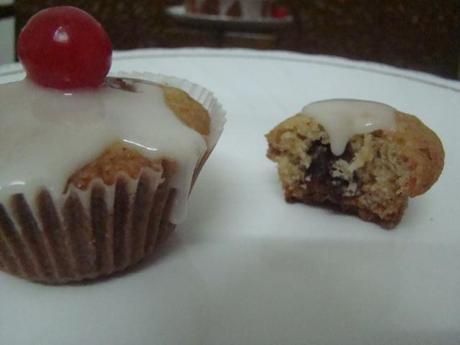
(95, 171)
(360, 157)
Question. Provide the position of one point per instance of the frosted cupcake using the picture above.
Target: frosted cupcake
(94, 173)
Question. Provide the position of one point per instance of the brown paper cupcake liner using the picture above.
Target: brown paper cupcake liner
(89, 233)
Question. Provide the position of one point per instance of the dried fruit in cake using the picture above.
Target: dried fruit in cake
(95, 173)
(361, 157)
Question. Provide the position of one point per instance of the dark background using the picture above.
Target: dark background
(421, 35)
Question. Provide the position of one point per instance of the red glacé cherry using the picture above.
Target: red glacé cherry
(65, 48)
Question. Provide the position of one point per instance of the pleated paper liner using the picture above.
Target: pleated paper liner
(89, 233)
(200, 94)
(102, 230)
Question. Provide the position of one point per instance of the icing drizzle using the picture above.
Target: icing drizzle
(344, 118)
(46, 135)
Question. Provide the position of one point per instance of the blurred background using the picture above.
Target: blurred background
(417, 34)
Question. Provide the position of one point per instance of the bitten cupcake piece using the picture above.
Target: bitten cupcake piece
(360, 157)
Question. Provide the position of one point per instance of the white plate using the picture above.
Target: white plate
(247, 268)
(222, 22)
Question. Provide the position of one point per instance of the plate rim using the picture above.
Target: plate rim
(178, 11)
(8, 70)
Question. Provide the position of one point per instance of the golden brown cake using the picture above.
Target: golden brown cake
(342, 154)
(120, 159)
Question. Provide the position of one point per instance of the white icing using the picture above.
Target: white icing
(344, 118)
(46, 135)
